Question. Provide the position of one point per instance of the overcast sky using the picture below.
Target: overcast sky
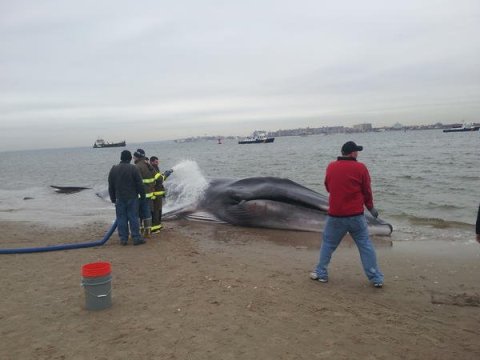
(71, 71)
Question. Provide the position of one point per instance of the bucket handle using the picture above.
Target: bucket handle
(99, 296)
(100, 283)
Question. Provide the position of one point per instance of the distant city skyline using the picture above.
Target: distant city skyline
(356, 128)
(71, 72)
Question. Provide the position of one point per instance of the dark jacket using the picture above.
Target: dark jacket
(348, 183)
(477, 230)
(159, 179)
(125, 182)
(147, 173)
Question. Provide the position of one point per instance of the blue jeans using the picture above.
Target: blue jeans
(335, 229)
(144, 209)
(127, 213)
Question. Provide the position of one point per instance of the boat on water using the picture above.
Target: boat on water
(100, 143)
(258, 137)
(462, 128)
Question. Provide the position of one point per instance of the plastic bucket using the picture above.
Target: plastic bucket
(97, 282)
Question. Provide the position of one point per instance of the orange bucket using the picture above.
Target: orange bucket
(96, 269)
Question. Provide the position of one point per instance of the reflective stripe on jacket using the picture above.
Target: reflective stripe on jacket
(159, 179)
(148, 175)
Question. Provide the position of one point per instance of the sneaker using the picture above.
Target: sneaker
(378, 285)
(314, 276)
(140, 242)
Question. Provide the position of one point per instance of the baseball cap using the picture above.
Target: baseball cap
(350, 147)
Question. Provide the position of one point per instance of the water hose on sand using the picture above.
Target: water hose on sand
(63, 246)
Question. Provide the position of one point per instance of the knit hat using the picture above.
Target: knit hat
(126, 156)
(140, 153)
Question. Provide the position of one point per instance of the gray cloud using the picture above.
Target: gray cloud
(94, 68)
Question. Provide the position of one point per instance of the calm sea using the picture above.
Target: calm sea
(425, 183)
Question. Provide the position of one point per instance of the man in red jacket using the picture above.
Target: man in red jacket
(348, 183)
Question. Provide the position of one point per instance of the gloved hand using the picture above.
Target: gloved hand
(374, 212)
(167, 173)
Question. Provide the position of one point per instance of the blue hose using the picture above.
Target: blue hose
(63, 246)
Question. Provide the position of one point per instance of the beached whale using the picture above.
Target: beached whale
(267, 202)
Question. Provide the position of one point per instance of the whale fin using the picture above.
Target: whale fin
(68, 189)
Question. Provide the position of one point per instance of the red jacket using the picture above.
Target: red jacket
(348, 183)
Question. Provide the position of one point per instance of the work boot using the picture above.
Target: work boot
(156, 228)
(147, 224)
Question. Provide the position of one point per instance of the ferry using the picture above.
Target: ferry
(100, 143)
(462, 128)
(258, 137)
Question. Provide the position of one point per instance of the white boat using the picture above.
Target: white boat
(258, 137)
(100, 143)
(462, 128)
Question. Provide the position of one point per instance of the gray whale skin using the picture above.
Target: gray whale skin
(267, 202)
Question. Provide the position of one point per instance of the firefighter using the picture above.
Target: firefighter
(159, 194)
(148, 176)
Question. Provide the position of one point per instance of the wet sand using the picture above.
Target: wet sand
(204, 291)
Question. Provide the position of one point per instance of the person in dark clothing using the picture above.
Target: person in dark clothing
(125, 187)
(159, 194)
(477, 228)
(348, 183)
(148, 177)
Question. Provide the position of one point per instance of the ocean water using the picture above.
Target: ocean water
(425, 183)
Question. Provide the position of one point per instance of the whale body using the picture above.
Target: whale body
(267, 202)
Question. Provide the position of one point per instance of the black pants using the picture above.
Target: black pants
(157, 211)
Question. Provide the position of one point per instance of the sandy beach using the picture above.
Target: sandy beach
(203, 291)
